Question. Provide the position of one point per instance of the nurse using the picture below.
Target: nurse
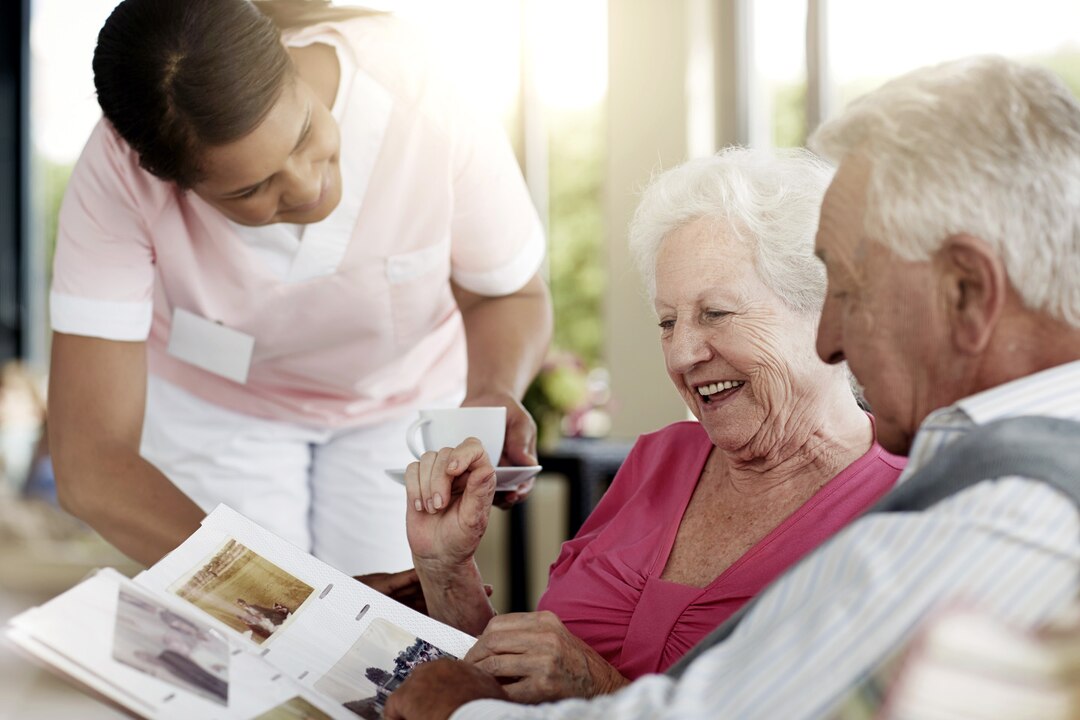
(286, 235)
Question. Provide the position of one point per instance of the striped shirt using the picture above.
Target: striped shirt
(1010, 547)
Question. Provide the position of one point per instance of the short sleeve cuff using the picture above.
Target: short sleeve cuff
(107, 319)
(510, 277)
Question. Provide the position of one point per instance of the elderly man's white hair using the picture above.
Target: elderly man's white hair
(983, 146)
(768, 198)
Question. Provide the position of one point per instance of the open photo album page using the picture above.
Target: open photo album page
(235, 623)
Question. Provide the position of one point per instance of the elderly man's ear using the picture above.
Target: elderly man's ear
(975, 290)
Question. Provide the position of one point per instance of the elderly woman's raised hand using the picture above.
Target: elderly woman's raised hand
(449, 495)
(538, 660)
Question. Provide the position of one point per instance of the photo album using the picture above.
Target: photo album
(234, 623)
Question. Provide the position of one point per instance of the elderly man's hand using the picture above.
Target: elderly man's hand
(436, 689)
(539, 660)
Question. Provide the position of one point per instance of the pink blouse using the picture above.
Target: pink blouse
(606, 586)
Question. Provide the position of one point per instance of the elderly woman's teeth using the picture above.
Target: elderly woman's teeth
(707, 390)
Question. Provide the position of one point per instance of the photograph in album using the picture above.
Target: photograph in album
(245, 591)
(374, 666)
(178, 650)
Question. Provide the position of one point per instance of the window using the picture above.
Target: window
(863, 44)
(778, 65)
(869, 42)
(63, 111)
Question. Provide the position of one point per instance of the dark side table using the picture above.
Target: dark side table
(588, 465)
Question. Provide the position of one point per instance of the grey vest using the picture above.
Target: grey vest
(1040, 448)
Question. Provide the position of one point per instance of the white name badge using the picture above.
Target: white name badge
(210, 346)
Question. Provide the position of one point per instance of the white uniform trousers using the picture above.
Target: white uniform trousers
(323, 490)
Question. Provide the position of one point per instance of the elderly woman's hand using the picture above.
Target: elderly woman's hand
(538, 660)
(449, 495)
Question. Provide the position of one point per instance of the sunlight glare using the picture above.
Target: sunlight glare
(569, 38)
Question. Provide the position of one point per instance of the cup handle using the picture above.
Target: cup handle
(410, 437)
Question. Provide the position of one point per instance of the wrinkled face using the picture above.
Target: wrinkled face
(741, 359)
(882, 314)
(286, 170)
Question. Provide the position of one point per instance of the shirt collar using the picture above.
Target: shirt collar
(1051, 393)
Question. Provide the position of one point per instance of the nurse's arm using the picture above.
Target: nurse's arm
(97, 395)
(507, 338)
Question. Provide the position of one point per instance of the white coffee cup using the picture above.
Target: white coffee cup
(448, 427)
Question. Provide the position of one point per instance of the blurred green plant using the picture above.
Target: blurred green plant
(1066, 63)
(575, 226)
(567, 399)
(560, 397)
(53, 181)
(789, 115)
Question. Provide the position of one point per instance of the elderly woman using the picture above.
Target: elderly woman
(702, 515)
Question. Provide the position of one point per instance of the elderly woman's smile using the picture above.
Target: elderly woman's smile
(739, 355)
(718, 391)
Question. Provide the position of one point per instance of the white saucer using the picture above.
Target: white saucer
(506, 478)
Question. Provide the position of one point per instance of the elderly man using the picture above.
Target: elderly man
(951, 238)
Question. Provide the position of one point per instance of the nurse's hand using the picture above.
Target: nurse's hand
(402, 586)
(519, 447)
(449, 495)
(538, 660)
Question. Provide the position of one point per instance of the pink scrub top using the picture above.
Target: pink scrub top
(605, 585)
(353, 318)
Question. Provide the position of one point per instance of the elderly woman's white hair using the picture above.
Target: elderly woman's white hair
(983, 146)
(768, 198)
